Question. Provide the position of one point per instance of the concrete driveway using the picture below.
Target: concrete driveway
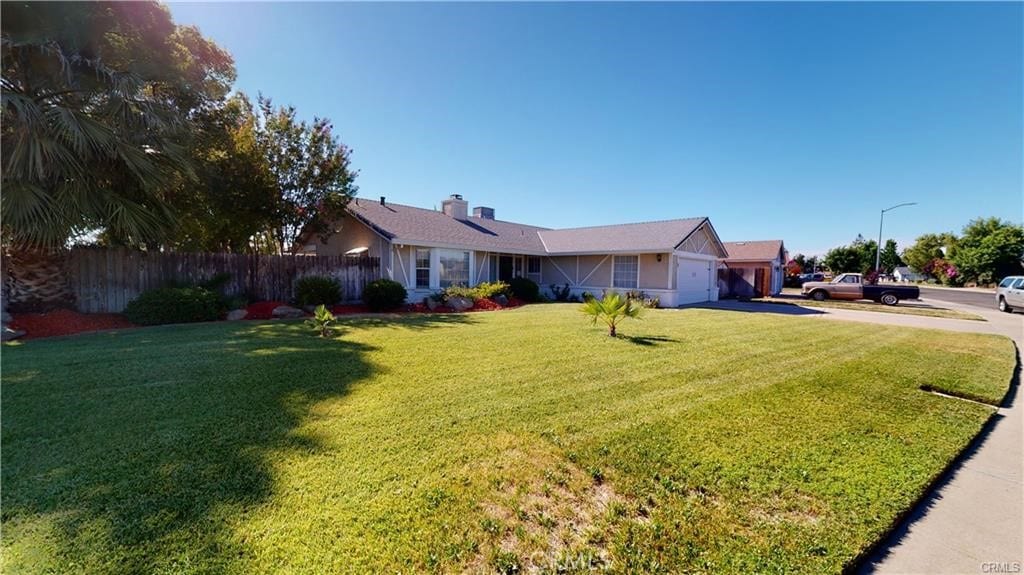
(973, 521)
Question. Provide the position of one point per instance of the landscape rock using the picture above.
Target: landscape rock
(500, 299)
(8, 334)
(237, 314)
(433, 304)
(287, 312)
(460, 303)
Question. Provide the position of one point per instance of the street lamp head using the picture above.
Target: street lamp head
(899, 206)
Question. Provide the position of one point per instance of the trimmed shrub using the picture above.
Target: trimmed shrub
(488, 290)
(485, 290)
(317, 290)
(174, 305)
(382, 295)
(525, 289)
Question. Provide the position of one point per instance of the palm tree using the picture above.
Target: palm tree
(611, 309)
(85, 147)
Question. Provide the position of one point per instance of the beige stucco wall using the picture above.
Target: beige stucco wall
(352, 234)
(551, 274)
(654, 274)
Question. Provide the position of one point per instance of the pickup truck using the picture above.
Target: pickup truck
(850, 286)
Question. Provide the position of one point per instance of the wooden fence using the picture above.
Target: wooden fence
(105, 280)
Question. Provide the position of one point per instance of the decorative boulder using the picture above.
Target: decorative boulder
(500, 299)
(237, 314)
(432, 304)
(460, 303)
(8, 334)
(287, 312)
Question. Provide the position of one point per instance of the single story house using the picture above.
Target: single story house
(752, 269)
(426, 250)
(905, 274)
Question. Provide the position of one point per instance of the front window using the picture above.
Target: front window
(454, 268)
(626, 272)
(1019, 284)
(533, 265)
(423, 268)
(533, 268)
(1007, 282)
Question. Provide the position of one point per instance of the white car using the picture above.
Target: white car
(1010, 294)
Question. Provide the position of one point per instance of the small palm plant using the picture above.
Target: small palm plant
(611, 309)
(321, 321)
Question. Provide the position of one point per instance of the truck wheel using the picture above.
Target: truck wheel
(819, 295)
(1003, 306)
(889, 298)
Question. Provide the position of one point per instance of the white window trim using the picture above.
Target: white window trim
(416, 268)
(637, 256)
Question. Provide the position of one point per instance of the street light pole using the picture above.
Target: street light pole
(878, 246)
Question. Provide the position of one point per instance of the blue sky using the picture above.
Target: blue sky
(792, 121)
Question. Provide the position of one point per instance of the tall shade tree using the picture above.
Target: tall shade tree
(890, 256)
(312, 168)
(928, 248)
(236, 196)
(988, 250)
(96, 100)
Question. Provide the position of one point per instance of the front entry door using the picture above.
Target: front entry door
(505, 268)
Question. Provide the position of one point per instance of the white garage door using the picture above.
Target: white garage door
(693, 281)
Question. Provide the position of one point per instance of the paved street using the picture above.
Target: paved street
(963, 297)
(973, 522)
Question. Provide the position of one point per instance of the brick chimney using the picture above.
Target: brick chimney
(455, 207)
(483, 213)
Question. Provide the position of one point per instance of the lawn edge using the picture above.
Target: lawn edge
(960, 315)
(901, 523)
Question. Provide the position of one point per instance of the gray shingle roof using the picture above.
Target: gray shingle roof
(761, 250)
(430, 227)
(661, 236)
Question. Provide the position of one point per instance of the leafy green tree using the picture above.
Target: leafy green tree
(988, 250)
(235, 196)
(926, 249)
(611, 309)
(843, 259)
(866, 251)
(890, 256)
(97, 99)
(312, 170)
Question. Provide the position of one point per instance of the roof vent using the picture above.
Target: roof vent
(483, 213)
(455, 207)
(382, 201)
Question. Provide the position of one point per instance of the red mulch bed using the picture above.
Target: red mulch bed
(262, 309)
(66, 322)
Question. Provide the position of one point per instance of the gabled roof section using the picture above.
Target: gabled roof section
(754, 251)
(662, 236)
(417, 226)
(411, 225)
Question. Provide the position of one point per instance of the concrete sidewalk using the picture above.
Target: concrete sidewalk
(973, 522)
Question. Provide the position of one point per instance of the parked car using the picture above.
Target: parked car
(851, 286)
(1010, 294)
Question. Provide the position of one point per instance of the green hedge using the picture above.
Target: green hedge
(525, 289)
(383, 295)
(175, 305)
(317, 290)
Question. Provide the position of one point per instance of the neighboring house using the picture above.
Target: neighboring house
(905, 274)
(752, 269)
(426, 250)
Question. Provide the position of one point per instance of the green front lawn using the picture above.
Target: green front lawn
(710, 441)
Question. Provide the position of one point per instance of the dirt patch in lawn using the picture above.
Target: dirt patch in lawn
(543, 513)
